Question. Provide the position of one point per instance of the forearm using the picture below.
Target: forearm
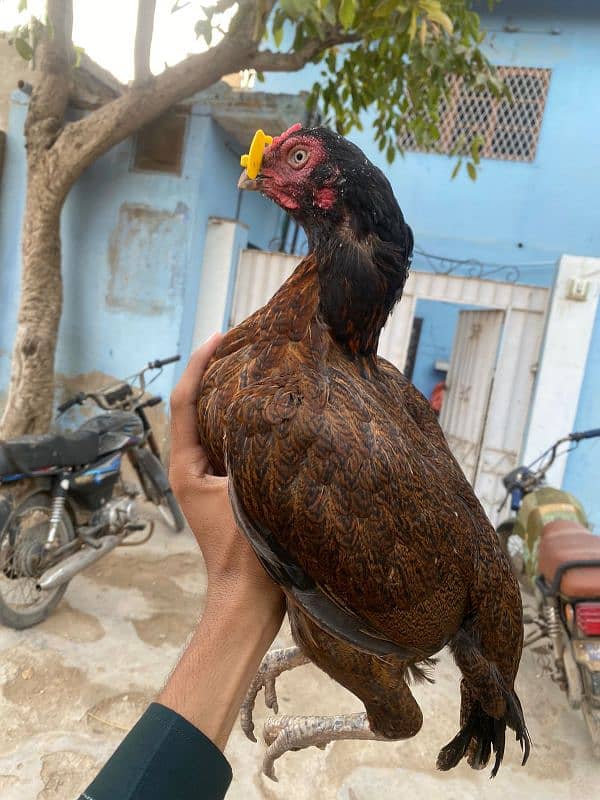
(173, 754)
(210, 681)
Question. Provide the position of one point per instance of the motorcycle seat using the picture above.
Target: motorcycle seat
(29, 454)
(563, 541)
(115, 430)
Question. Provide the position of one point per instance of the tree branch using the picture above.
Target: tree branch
(60, 15)
(269, 61)
(51, 94)
(143, 40)
(82, 142)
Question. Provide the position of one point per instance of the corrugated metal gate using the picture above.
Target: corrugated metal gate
(493, 366)
(470, 383)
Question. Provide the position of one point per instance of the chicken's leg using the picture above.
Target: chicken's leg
(296, 733)
(273, 664)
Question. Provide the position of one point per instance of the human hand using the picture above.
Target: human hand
(244, 608)
(234, 573)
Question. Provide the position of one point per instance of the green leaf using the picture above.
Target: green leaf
(329, 12)
(472, 171)
(79, 51)
(456, 169)
(412, 28)
(295, 8)
(390, 153)
(347, 13)
(24, 49)
(22, 5)
(203, 28)
(385, 8)
(278, 35)
(476, 146)
(443, 20)
(433, 131)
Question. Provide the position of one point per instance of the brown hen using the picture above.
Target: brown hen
(342, 480)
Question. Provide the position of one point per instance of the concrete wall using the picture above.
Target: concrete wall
(133, 250)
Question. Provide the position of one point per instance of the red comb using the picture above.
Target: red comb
(278, 139)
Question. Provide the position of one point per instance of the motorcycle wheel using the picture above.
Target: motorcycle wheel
(22, 604)
(156, 488)
(512, 547)
(170, 511)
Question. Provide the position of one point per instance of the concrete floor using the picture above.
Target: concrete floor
(74, 685)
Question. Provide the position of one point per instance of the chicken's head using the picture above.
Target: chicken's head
(324, 181)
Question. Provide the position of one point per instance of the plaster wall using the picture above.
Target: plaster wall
(133, 245)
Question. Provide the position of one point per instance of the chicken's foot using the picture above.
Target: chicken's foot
(273, 664)
(295, 733)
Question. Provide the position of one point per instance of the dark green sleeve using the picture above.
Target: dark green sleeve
(163, 756)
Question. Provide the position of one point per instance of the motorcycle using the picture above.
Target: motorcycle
(557, 559)
(77, 508)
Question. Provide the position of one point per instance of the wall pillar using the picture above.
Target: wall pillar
(225, 238)
(563, 357)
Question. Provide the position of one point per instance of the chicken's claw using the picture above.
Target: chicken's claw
(273, 664)
(295, 733)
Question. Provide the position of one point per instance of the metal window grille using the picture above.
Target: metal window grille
(510, 129)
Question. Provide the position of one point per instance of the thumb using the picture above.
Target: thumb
(185, 443)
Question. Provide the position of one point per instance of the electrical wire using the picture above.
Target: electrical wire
(469, 262)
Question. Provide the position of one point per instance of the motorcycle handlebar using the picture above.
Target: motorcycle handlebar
(106, 399)
(591, 434)
(73, 401)
(162, 362)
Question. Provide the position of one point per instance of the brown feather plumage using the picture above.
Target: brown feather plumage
(342, 475)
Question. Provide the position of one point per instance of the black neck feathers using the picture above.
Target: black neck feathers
(360, 280)
(361, 243)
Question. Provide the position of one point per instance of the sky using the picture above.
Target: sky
(106, 29)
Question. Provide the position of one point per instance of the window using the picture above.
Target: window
(159, 145)
(510, 130)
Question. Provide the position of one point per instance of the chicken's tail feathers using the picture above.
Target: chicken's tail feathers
(483, 734)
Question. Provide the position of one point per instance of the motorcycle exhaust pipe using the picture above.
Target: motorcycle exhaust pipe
(65, 570)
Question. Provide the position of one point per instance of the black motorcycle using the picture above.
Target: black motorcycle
(77, 508)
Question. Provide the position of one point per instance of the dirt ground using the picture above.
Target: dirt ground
(74, 685)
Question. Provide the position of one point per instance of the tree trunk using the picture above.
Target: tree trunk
(57, 154)
(31, 393)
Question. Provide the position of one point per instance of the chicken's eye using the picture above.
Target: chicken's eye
(298, 157)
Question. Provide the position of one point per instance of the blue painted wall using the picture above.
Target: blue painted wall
(435, 342)
(522, 213)
(133, 249)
